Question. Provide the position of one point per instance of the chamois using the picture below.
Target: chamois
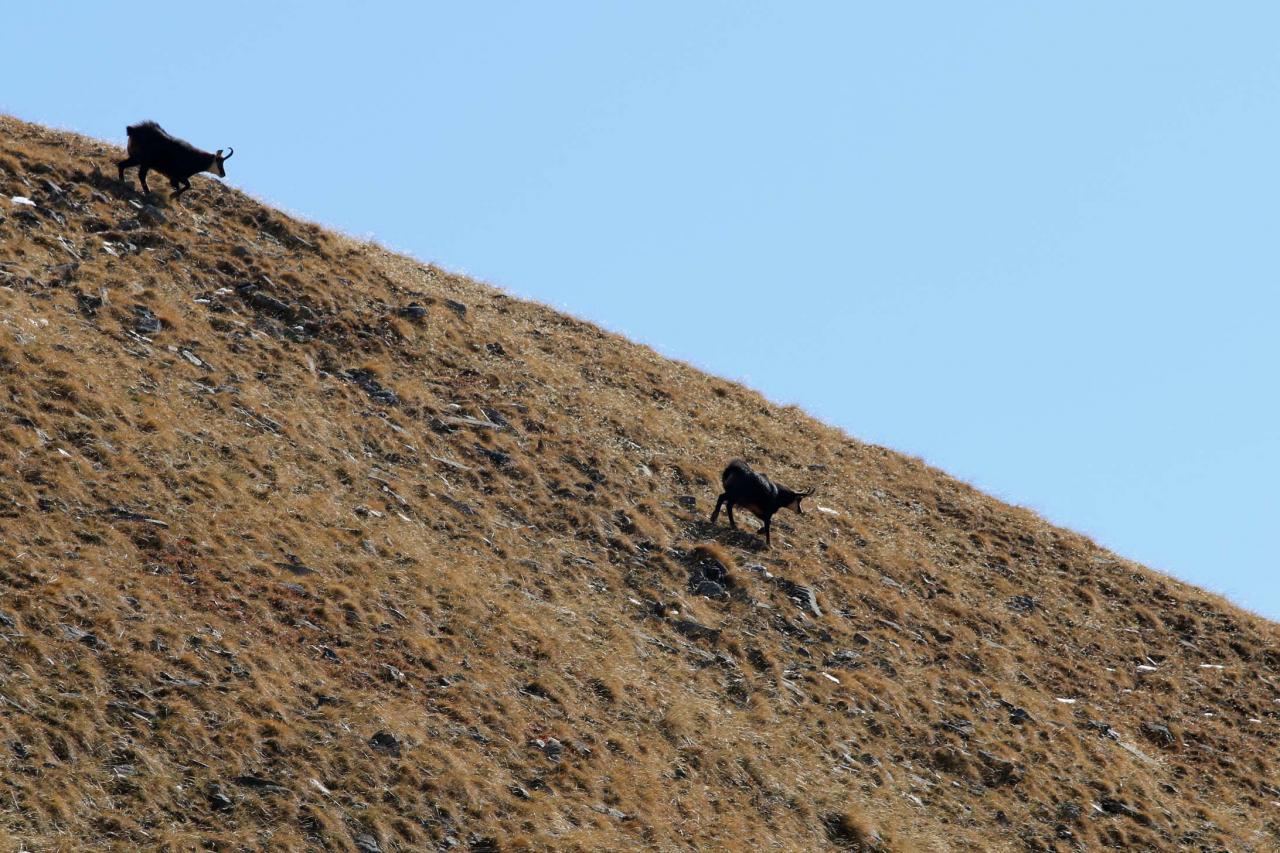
(150, 147)
(755, 493)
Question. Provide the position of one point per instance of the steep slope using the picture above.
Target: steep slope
(304, 544)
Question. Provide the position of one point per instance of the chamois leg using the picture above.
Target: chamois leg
(179, 187)
(732, 523)
(765, 530)
(126, 163)
(719, 503)
(142, 179)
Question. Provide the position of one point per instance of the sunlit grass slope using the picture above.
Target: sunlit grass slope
(307, 545)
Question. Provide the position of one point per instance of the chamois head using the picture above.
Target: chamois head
(792, 499)
(218, 160)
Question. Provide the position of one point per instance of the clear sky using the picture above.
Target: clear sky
(1031, 243)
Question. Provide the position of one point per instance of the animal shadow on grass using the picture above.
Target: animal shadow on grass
(744, 537)
(129, 190)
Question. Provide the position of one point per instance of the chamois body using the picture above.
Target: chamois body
(150, 147)
(755, 493)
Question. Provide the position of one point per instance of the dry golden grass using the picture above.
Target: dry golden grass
(303, 566)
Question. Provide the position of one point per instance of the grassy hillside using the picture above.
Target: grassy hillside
(304, 544)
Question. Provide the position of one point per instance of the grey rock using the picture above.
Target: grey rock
(152, 215)
(710, 589)
(1110, 805)
(461, 506)
(122, 514)
(800, 594)
(1158, 734)
(385, 741)
(145, 322)
(259, 783)
(494, 416)
(1103, 728)
(218, 798)
(842, 657)
(375, 389)
(269, 304)
(1023, 604)
(81, 636)
(366, 843)
(617, 814)
(998, 771)
(497, 457)
(88, 303)
(413, 311)
(695, 631)
(552, 748)
(1018, 716)
(464, 420)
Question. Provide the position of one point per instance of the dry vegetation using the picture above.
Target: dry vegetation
(307, 545)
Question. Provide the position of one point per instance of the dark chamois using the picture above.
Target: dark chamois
(755, 493)
(151, 148)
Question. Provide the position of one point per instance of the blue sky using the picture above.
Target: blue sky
(1033, 244)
